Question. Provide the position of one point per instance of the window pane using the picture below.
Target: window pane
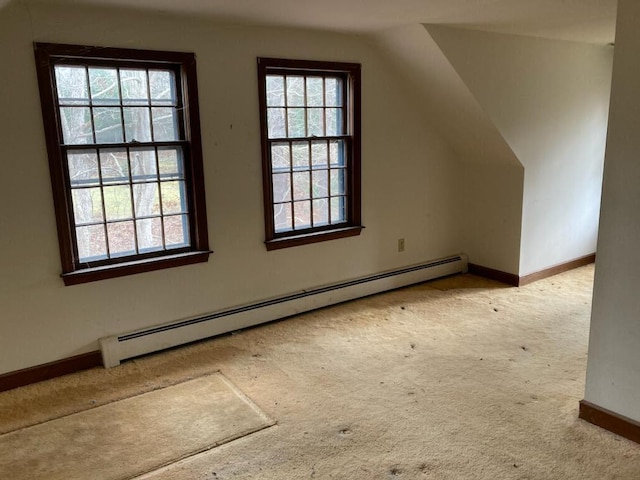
(114, 165)
(136, 124)
(334, 121)
(121, 237)
(315, 122)
(76, 125)
(87, 205)
(320, 212)
(296, 122)
(104, 86)
(117, 202)
(108, 124)
(302, 214)
(282, 217)
(320, 183)
(120, 138)
(337, 182)
(301, 187)
(280, 157)
(319, 154)
(300, 155)
(315, 93)
(71, 83)
(92, 244)
(295, 91)
(165, 126)
(176, 231)
(143, 164)
(333, 92)
(170, 163)
(275, 90)
(149, 232)
(338, 212)
(276, 122)
(146, 199)
(134, 87)
(336, 153)
(83, 168)
(281, 187)
(162, 87)
(173, 197)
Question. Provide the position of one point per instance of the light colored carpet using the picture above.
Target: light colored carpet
(461, 378)
(129, 437)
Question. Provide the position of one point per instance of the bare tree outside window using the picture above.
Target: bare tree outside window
(311, 150)
(133, 184)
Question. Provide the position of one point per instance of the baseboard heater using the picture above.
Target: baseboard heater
(133, 344)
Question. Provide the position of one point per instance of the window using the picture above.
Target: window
(310, 125)
(125, 158)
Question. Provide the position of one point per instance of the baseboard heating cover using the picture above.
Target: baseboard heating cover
(133, 344)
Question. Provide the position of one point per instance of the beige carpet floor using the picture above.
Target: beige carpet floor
(127, 438)
(461, 378)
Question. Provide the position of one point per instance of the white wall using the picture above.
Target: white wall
(549, 100)
(491, 197)
(489, 189)
(409, 184)
(613, 369)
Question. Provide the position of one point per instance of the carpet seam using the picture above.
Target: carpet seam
(246, 399)
(207, 449)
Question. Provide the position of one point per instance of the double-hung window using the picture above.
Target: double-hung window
(310, 127)
(123, 139)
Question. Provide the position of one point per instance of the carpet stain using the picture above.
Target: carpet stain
(395, 471)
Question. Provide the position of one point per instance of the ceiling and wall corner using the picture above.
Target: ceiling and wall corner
(490, 175)
(549, 100)
(590, 21)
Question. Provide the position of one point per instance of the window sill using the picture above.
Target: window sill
(315, 237)
(87, 275)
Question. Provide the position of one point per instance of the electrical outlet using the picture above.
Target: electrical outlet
(401, 244)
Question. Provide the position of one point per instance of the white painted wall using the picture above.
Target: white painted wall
(489, 189)
(410, 182)
(549, 99)
(491, 197)
(613, 369)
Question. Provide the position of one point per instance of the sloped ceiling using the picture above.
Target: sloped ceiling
(590, 21)
(440, 91)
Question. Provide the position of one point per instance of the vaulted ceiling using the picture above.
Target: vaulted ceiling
(590, 21)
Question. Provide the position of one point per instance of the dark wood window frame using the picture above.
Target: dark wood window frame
(350, 74)
(196, 249)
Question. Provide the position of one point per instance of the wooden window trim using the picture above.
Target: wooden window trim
(48, 54)
(353, 225)
(313, 237)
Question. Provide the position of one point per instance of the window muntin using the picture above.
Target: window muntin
(311, 162)
(308, 179)
(125, 167)
(127, 201)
